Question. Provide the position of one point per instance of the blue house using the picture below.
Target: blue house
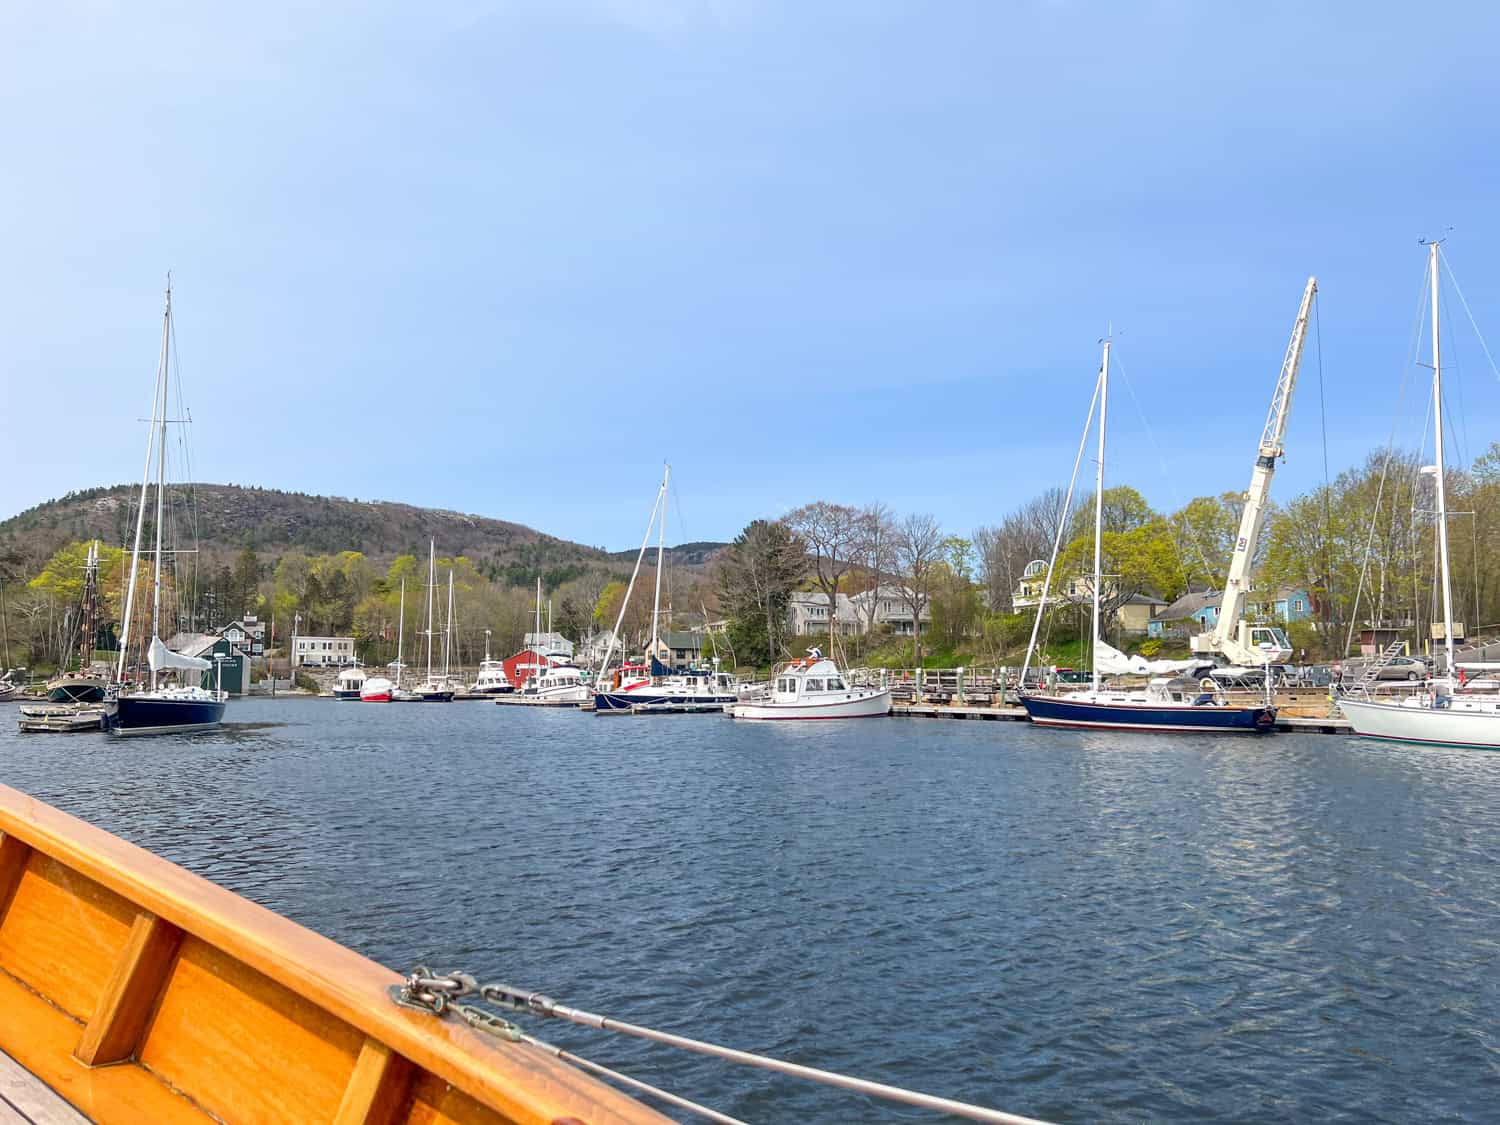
(1286, 604)
(1191, 613)
(1199, 611)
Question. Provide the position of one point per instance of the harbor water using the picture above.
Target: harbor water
(1080, 927)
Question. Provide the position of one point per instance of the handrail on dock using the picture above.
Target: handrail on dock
(140, 991)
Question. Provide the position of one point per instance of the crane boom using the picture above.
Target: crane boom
(1231, 637)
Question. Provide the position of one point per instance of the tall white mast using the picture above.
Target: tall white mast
(1442, 488)
(661, 538)
(431, 582)
(158, 396)
(1099, 506)
(401, 633)
(161, 472)
(614, 635)
(448, 628)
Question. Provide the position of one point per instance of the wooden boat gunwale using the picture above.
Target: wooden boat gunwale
(514, 1081)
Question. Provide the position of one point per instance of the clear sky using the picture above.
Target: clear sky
(507, 258)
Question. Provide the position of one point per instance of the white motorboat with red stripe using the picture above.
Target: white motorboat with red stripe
(813, 688)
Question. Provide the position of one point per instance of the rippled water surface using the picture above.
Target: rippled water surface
(1077, 927)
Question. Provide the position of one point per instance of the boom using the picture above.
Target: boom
(1231, 637)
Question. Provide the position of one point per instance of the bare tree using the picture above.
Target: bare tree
(832, 535)
(1025, 534)
(877, 554)
(919, 548)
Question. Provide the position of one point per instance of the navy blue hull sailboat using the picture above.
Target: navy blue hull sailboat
(1174, 698)
(161, 708)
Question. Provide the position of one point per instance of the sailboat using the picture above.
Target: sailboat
(161, 708)
(1442, 715)
(433, 690)
(661, 686)
(89, 683)
(1171, 700)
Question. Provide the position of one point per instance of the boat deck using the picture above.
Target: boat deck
(26, 1100)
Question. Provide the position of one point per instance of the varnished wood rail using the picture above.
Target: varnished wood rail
(142, 992)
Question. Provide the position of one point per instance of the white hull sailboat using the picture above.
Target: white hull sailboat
(1441, 716)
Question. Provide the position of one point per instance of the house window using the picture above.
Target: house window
(1298, 606)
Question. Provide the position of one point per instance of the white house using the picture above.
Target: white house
(555, 646)
(323, 652)
(890, 608)
(807, 614)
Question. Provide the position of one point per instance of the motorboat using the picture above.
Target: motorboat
(376, 689)
(813, 688)
(350, 683)
(492, 679)
(558, 686)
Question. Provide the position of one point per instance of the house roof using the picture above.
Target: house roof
(1144, 599)
(1189, 604)
(682, 640)
(196, 644)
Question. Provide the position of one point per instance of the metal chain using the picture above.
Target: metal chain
(429, 991)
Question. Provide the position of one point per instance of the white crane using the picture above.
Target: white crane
(1233, 637)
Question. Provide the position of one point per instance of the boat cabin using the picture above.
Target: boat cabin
(809, 679)
(554, 679)
(350, 679)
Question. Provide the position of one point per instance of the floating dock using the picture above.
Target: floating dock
(1305, 724)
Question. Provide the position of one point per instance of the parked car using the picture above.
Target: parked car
(1404, 668)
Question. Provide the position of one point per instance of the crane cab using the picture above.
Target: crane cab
(1268, 640)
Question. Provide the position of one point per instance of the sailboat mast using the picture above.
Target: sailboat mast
(161, 472)
(448, 628)
(401, 633)
(431, 582)
(1099, 507)
(661, 539)
(1442, 488)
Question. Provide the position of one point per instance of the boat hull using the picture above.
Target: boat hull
(1059, 711)
(137, 715)
(872, 706)
(607, 701)
(346, 693)
(1435, 726)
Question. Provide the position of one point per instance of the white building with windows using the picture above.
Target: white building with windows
(322, 652)
(807, 614)
(891, 608)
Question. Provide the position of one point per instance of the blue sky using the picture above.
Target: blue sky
(843, 251)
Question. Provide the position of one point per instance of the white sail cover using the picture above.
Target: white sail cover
(161, 657)
(1110, 661)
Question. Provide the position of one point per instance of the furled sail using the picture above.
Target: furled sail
(1110, 661)
(162, 658)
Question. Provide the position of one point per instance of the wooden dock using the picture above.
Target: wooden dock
(26, 1100)
(1301, 723)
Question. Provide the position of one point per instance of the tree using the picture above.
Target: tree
(245, 587)
(919, 548)
(832, 535)
(876, 550)
(756, 576)
(1024, 535)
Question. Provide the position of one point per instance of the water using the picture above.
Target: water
(1078, 927)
